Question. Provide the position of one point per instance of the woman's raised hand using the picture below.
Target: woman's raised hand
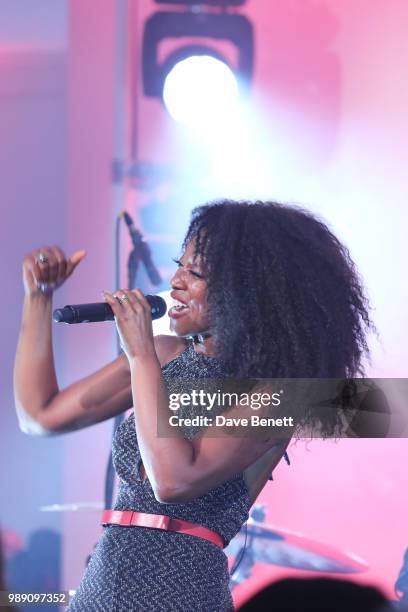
(47, 268)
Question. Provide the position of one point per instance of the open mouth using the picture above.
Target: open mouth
(178, 309)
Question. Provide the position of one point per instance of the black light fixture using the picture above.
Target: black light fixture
(202, 2)
(196, 22)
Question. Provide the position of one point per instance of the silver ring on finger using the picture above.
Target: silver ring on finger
(42, 258)
(122, 298)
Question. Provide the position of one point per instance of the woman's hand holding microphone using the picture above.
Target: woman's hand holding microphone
(133, 322)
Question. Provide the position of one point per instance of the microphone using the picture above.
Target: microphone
(101, 311)
(142, 250)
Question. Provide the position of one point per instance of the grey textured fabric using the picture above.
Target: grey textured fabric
(139, 569)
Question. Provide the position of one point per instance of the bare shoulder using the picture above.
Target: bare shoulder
(168, 347)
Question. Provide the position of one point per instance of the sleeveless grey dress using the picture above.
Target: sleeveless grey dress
(140, 569)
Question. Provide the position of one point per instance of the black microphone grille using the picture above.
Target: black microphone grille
(157, 304)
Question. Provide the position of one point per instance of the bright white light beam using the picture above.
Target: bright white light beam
(200, 90)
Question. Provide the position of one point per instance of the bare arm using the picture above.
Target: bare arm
(42, 408)
(35, 381)
(179, 469)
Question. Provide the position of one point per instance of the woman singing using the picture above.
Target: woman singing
(262, 290)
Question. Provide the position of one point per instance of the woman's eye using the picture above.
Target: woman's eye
(180, 265)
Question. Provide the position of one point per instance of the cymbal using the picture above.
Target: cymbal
(270, 544)
(74, 507)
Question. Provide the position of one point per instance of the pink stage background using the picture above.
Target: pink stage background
(328, 129)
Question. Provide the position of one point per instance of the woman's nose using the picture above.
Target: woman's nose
(178, 281)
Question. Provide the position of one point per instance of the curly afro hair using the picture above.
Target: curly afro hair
(285, 299)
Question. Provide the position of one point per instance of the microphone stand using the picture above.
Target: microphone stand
(132, 268)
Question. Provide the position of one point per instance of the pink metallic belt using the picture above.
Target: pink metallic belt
(128, 518)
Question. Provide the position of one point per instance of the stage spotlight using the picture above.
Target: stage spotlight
(199, 89)
(206, 66)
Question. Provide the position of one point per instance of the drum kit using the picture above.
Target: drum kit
(259, 542)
